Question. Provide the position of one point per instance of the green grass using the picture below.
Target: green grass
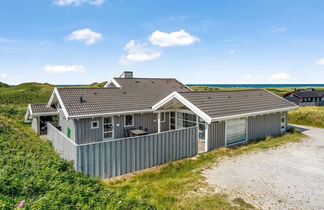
(308, 115)
(3, 84)
(27, 93)
(178, 185)
(278, 91)
(31, 171)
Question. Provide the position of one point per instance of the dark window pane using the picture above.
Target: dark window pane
(129, 120)
(107, 135)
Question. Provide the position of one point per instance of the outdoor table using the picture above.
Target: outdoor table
(138, 132)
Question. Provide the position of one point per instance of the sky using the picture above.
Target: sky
(195, 41)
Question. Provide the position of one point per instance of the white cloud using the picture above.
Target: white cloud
(279, 30)
(280, 75)
(319, 61)
(180, 38)
(78, 2)
(231, 51)
(87, 35)
(58, 69)
(138, 52)
(3, 75)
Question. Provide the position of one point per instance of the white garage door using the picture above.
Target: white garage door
(236, 131)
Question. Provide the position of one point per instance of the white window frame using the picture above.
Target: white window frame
(112, 130)
(93, 127)
(132, 120)
(283, 126)
(246, 133)
(162, 121)
(175, 121)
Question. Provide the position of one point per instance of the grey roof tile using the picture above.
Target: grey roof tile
(135, 94)
(143, 84)
(227, 103)
(308, 93)
(42, 108)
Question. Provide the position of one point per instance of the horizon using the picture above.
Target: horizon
(210, 42)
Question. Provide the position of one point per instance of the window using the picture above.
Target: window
(108, 128)
(283, 121)
(172, 121)
(236, 131)
(202, 129)
(185, 120)
(94, 124)
(129, 120)
(162, 116)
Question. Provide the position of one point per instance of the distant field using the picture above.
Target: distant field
(27, 93)
(309, 116)
(278, 91)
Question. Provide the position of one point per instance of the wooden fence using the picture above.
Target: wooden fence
(121, 156)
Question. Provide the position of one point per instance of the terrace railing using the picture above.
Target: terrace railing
(62, 144)
(121, 156)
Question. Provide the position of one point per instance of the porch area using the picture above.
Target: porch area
(116, 157)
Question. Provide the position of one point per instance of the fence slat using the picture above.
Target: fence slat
(116, 157)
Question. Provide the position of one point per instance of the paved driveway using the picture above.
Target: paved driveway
(289, 177)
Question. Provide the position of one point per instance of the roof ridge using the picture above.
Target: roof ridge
(145, 78)
(212, 91)
(83, 88)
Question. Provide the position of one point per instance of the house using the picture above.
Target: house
(306, 97)
(142, 122)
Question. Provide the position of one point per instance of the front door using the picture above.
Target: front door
(108, 128)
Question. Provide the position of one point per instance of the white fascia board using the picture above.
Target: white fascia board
(109, 114)
(113, 81)
(185, 102)
(253, 114)
(28, 112)
(46, 114)
(57, 94)
(163, 101)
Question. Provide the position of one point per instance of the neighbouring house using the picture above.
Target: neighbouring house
(306, 97)
(136, 123)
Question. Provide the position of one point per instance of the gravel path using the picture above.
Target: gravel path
(289, 177)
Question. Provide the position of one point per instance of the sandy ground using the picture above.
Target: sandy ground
(289, 177)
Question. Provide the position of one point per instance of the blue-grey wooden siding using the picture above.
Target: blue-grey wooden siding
(62, 144)
(117, 157)
(84, 133)
(165, 124)
(259, 126)
(264, 125)
(65, 124)
(216, 135)
(145, 121)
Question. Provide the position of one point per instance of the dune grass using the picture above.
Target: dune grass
(33, 175)
(308, 115)
(180, 184)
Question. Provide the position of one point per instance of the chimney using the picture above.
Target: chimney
(126, 74)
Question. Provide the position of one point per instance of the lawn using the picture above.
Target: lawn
(180, 185)
(308, 115)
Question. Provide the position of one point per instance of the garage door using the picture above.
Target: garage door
(236, 131)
